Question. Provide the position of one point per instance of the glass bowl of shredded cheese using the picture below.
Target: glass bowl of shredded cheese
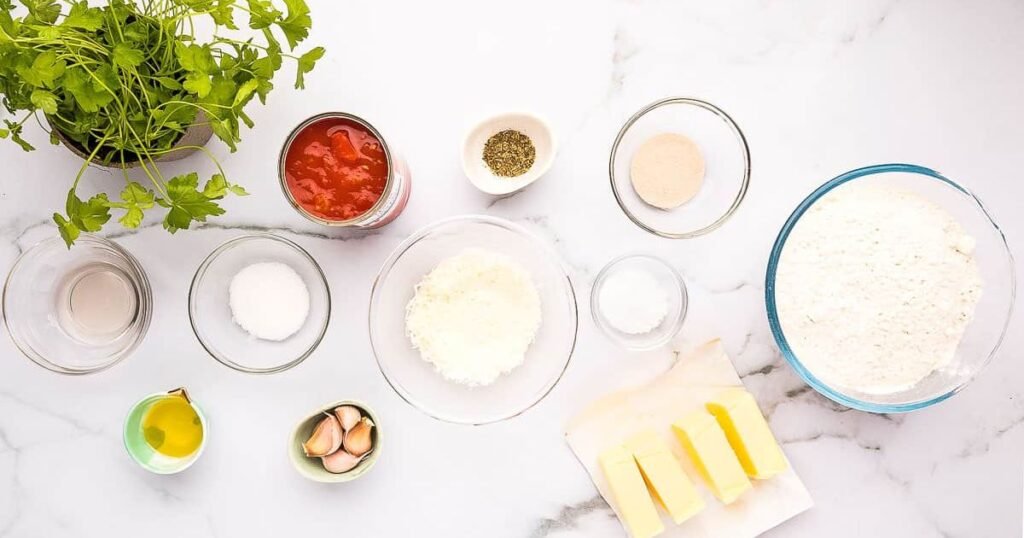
(473, 319)
(890, 288)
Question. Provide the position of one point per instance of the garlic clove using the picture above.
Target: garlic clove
(348, 416)
(358, 440)
(326, 438)
(340, 462)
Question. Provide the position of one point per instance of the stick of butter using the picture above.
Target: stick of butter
(707, 446)
(634, 504)
(748, 433)
(665, 476)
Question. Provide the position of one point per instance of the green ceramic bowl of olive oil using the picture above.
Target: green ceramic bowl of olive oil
(165, 433)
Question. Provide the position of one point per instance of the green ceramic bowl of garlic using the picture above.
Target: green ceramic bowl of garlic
(338, 442)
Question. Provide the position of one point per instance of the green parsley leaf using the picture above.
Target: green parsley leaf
(306, 64)
(186, 203)
(89, 216)
(126, 57)
(68, 231)
(45, 11)
(262, 14)
(245, 92)
(84, 17)
(169, 83)
(216, 187)
(296, 26)
(13, 131)
(198, 83)
(46, 68)
(79, 83)
(45, 101)
(224, 14)
(195, 58)
(135, 199)
(266, 66)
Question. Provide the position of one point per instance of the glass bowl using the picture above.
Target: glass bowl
(210, 311)
(727, 166)
(39, 305)
(992, 315)
(415, 379)
(668, 280)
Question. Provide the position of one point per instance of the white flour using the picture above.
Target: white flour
(875, 288)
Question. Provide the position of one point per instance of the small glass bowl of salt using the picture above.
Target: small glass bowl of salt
(639, 301)
(259, 304)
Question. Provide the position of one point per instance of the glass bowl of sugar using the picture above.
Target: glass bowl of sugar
(639, 301)
(259, 304)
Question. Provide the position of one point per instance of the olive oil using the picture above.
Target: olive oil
(172, 427)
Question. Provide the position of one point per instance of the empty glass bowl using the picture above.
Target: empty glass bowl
(991, 317)
(210, 312)
(77, 310)
(670, 283)
(727, 166)
(415, 379)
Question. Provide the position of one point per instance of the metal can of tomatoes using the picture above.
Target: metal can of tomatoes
(337, 170)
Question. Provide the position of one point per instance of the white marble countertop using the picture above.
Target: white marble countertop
(818, 87)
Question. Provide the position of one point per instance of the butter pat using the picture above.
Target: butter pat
(634, 504)
(707, 446)
(665, 476)
(748, 433)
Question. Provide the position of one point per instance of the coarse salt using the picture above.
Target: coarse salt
(632, 301)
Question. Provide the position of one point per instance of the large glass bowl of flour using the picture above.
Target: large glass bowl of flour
(423, 385)
(905, 339)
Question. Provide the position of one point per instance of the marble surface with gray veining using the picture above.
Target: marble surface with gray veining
(818, 87)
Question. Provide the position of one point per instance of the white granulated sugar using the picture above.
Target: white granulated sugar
(269, 300)
(875, 288)
(474, 316)
(632, 301)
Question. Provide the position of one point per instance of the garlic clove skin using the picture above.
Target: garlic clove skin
(358, 441)
(340, 462)
(348, 416)
(326, 439)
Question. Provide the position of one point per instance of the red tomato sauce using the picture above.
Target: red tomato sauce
(336, 169)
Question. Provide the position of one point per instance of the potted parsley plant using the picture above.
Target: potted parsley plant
(132, 83)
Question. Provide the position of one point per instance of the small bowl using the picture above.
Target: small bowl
(312, 468)
(210, 312)
(415, 379)
(37, 299)
(143, 454)
(725, 152)
(473, 149)
(992, 315)
(670, 281)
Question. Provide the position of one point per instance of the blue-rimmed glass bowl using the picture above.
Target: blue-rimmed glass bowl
(992, 315)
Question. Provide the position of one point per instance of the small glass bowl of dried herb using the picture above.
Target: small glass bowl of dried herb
(505, 153)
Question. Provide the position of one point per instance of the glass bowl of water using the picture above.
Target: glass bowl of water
(77, 310)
